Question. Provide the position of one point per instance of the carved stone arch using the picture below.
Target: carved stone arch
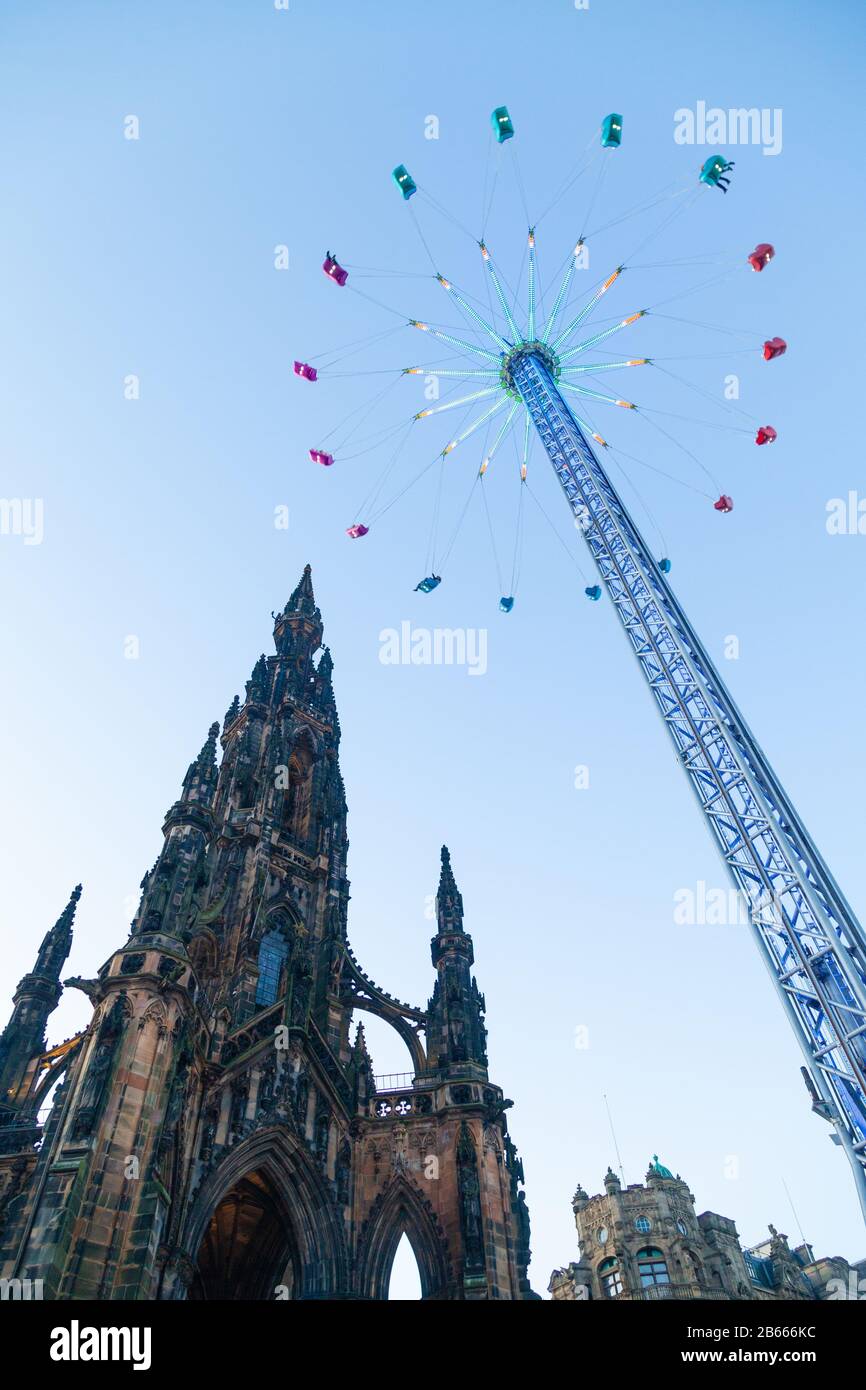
(293, 806)
(493, 1141)
(280, 914)
(400, 1026)
(204, 955)
(118, 1010)
(298, 733)
(154, 1013)
(696, 1263)
(278, 1160)
(401, 1209)
(100, 1016)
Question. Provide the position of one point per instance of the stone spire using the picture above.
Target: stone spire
(57, 942)
(35, 998)
(359, 1048)
(257, 685)
(232, 712)
(298, 629)
(172, 887)
(200, 779)
(449, 902)
(456, 1035)
(362, 1068)
(303, 601)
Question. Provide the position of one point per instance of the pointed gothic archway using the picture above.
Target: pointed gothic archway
(248, 1248)
(265, 1219)
(402, 1210)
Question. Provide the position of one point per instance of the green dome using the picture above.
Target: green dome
(659, 1169)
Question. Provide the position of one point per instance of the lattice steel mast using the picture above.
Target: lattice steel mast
(808, 936)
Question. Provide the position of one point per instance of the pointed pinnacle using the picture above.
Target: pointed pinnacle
(302, 599)
(207, 756)
(68, 913)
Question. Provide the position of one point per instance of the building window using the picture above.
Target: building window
(611, 1279)
(601, 1235)
(643, 1224)
(651, 1267)
(272, 956)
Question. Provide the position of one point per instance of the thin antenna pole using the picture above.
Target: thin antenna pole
(794, 1210)
(616, 1145)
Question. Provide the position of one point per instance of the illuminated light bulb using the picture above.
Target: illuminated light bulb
(609, 281)
(523, 472)
(598, 439)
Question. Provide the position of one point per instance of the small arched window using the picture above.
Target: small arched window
(652, 1267)
(273, 952)
(611, 1278)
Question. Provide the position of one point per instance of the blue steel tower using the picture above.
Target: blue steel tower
(808, 936)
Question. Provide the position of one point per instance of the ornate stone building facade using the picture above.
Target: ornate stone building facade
(646, 1241)
(217, 1132)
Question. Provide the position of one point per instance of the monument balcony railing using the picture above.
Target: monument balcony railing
(653, 1293)
(395, 1081)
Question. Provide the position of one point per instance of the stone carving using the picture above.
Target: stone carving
(399, 1147)
(521, 1212)
(11, 1184)
(301, 1099)
(343, 1172)
(210, 1126)
(470, 1200)
(96, 1077)
(302, 985)
(267, 1083)
(322, 1133)
(237, 1114)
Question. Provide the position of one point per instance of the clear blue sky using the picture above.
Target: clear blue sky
(155, 257)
